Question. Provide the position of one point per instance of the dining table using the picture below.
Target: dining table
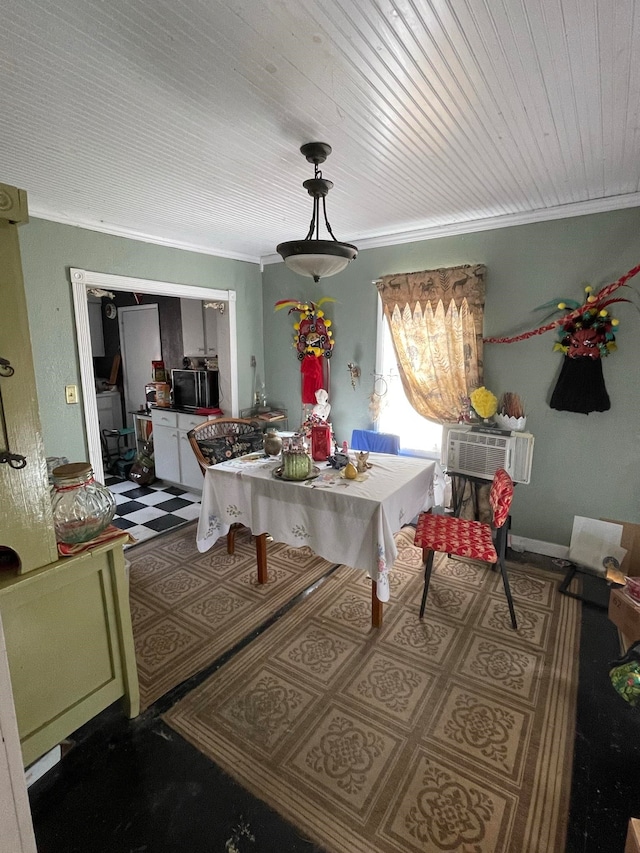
(345, 521)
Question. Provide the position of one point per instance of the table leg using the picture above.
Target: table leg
(261, 554)
(376, 606)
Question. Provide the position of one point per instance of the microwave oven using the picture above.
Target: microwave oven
(195, 389)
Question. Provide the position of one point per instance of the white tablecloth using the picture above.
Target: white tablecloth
(344, 521)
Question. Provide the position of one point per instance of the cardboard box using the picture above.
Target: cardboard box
(630, 566)
(625, 613)
(633, 837)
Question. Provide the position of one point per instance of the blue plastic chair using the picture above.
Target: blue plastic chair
(376, 442)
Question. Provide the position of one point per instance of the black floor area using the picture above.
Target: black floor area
(134, 786)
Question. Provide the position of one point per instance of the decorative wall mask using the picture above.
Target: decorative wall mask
(586, 335)
(313, 342)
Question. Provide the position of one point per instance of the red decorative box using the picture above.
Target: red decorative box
(320, 442)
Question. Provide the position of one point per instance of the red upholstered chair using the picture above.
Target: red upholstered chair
(464, 538)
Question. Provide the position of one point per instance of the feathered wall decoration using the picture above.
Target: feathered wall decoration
(586, 335)
(312, 340)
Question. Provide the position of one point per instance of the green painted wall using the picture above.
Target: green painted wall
(583, 464)
(49, 250)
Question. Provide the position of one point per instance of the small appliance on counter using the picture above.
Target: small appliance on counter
(195, 389)
(158, 394)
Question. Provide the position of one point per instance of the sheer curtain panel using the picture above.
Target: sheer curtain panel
(435, 318)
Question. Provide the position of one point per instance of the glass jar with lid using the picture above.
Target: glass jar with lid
(82, 508)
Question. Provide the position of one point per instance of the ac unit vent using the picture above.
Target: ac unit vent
(480, 454)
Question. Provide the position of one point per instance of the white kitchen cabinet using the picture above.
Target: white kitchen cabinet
(165, 445)
(175, 461)
(190, 473)
(165, 453)
(199, 328)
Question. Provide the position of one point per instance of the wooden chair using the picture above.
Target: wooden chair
(220, 428)
(465, 538)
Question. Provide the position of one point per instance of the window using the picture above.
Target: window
(397, 415)
(434, 318)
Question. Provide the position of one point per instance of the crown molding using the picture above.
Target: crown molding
(548, 214)
(453, 229)
(130, 234)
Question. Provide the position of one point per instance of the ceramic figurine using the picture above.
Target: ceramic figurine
(361, 462)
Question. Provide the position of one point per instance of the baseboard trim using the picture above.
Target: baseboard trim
(36, 770)
(539, 546)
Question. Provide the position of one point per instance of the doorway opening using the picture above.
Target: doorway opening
(82, 281)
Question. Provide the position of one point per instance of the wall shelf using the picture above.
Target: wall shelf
(258, 414)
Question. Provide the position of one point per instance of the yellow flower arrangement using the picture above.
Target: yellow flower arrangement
(484, 402)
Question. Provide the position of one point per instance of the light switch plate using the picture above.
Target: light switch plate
(71, 393)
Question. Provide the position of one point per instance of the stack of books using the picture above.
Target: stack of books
(271, 416)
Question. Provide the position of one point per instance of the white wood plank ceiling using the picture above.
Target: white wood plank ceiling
(180, 121)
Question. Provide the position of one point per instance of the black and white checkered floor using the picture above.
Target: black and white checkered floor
(145, 511)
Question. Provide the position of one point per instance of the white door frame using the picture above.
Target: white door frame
(81, 280)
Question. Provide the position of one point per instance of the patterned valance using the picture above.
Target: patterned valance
(433, 286)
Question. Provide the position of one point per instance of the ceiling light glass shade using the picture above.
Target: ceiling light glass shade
(312, 256)
(317, 258)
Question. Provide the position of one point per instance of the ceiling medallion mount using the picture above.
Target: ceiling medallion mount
(312, 256)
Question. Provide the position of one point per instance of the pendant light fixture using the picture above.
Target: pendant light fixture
(312, 256)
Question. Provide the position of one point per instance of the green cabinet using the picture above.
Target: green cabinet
(69, 644)
(67, 622)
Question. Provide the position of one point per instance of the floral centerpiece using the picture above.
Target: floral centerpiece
(484, 403)
(311, 421)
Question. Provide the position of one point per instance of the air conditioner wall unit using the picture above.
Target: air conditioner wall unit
(479, 452)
